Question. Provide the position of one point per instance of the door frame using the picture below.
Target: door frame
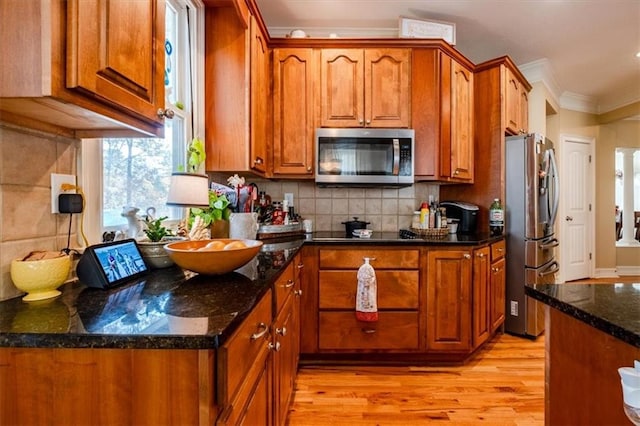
(560, 224)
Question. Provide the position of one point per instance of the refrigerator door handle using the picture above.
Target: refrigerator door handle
(551, 269)
(556, 187)
(550, 243)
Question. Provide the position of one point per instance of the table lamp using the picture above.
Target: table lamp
(188, 190)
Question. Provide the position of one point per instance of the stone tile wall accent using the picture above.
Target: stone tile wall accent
(27, 160)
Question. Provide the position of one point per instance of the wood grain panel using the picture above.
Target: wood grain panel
(583, 385)
(393, 331)
(396, 289)
(106, 386)
(385, 258)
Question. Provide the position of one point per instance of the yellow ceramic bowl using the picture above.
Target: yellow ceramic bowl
(218, 258)
(40, 278)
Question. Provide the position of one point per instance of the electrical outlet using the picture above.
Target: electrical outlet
(57, 180)
(289, 197)
(514, 308)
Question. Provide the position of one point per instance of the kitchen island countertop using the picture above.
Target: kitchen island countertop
(611, 308)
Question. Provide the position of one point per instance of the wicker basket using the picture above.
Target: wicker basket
(432, 233)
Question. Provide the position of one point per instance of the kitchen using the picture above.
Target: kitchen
(17, 239)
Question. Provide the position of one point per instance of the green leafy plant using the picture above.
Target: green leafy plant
(195, 155)
(155, 231)
(218, 209)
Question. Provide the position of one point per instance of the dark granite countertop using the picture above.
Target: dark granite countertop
(167, 309)
(611, 308)
(340, 237)
(170, 308)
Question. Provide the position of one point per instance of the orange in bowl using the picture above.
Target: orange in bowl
(213, 257)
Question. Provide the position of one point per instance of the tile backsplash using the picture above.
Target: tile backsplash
(388, 209)
(27, 160)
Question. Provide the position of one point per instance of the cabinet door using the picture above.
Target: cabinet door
(462, 153)
(512, 103)
(258, 409)
(498, 288)
(116, 53)
(294, 73)
(285, 358)
(524, 110)
(481, 296)
(260, 140)
(449, 300)
(387, 87)
(341, 88)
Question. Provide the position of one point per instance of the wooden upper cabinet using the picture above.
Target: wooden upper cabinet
(116, 53)
(516, 104)
(237, 92)
(443, 117)
(260, 132)
(462, 152)
(84, 68)
(365, 87)
(294, 97)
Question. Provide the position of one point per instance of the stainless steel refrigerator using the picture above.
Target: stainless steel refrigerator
(531, 207)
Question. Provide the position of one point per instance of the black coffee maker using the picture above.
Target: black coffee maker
(466, 213)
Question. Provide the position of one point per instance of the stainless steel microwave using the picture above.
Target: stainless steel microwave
(364, 156)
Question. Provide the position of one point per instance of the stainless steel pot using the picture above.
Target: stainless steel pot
(354, 224)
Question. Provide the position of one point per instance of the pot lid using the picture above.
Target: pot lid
(355, 221)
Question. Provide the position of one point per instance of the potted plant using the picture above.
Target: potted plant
(214, 218)
(152, 247)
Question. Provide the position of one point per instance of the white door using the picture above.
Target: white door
(576, 218)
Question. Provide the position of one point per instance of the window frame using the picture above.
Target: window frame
(90, 163)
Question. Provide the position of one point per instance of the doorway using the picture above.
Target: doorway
(576, 224)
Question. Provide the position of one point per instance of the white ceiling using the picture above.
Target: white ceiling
(586, 48)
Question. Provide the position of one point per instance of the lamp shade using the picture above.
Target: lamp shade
(188, 190)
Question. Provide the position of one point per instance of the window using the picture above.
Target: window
(136, 172)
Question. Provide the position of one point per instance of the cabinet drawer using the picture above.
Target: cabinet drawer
(498, 250)
(392, 331)
(284, 285)
(396, 289)
(239, 354)
(384, 258)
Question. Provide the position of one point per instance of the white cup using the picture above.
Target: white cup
(307, 225)
(243, 225)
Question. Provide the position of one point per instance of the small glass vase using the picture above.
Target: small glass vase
(220, 229)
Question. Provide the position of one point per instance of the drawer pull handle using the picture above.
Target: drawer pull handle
(369, 330)
(500, 249)
(262, 326)
(275, 348)
(282, 331)
(289, 284)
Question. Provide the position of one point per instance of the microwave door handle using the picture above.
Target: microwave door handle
(396, 157)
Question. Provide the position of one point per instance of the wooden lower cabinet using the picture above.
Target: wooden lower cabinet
(481, 296)
(448, 304)
(85, 386)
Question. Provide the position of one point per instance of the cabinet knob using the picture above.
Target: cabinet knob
(368, 330)
(300, 265)
(368, 122)
(282, 331)
(480, 255)
(258, 161)
(289, 284)
(466, 256)
(309, 169)
(297, 292)
(456, 172)
(494, 269)
(165, 113)
(274, 347)
(263, 330)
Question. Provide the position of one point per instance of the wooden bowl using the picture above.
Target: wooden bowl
(212, 260)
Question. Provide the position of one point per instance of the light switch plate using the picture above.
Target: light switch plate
(289, 197)
(56, 188)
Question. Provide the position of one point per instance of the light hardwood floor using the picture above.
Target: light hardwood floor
(502, 385)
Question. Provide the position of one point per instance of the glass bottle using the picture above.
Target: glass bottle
(496, 217)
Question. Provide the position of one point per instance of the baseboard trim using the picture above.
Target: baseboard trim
(606, 273)
(628, 270)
